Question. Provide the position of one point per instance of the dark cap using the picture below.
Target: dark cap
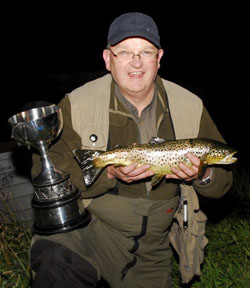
(133, 25)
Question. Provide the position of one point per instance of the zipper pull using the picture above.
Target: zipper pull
(185, 214)
(124, 272)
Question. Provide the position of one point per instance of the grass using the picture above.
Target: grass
(227, 255)
(14, 245)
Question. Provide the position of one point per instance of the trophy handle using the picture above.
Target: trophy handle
(20, 137)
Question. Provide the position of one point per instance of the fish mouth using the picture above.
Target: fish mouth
(229, 159)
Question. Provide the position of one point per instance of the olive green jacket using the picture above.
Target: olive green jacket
(94, 109)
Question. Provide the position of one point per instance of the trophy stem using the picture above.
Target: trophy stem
(49, 174)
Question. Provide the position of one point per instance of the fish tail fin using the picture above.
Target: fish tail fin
(85, 159)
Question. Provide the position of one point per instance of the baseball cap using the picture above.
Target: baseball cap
(133, 24)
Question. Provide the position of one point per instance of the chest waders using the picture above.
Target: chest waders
(135, 239)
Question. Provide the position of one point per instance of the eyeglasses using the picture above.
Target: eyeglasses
(146, 56)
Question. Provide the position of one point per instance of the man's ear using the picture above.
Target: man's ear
(106, 57)
(160, 54)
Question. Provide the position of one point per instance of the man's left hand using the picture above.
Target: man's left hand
(188, 173)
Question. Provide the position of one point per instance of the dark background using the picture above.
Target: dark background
(49, 51)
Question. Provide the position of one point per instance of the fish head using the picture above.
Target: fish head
(221, 155)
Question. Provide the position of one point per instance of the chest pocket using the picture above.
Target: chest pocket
(122, 130)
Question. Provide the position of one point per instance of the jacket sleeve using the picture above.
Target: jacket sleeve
(62, 156)
(222, 177)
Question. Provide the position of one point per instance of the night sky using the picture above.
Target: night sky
(49, 51)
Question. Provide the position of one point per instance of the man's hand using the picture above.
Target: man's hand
(188, 173)
(129, 173)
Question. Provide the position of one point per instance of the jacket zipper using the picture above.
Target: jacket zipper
(140, 141)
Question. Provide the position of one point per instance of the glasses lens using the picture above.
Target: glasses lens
(148, 56)
(145, 56)
(125, 56)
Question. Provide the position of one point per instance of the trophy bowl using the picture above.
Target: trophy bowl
(37, 125)
(56, 202)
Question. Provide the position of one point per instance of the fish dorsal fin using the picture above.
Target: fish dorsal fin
(117, 146)
(156, 140)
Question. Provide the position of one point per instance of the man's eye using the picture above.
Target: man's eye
(147, 53)
(123, 53)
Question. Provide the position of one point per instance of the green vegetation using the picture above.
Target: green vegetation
(14, 245)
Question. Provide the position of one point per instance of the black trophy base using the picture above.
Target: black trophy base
(60, 215)
(78, 223)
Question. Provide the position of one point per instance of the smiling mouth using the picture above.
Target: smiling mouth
(136, 74)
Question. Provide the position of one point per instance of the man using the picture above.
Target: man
(127, 241)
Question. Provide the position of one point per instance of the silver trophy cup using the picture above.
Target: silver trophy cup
(56, 202)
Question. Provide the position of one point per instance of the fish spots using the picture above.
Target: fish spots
(166, 155)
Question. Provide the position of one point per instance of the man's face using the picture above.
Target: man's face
(136, 75)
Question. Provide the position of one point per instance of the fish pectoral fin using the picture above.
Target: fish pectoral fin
(156, 179)
(202, 167)
(156, 140)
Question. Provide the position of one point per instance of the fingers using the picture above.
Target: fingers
(184, 172)
(129, 173)
(194, 160)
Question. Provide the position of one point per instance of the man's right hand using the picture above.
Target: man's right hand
(129, 173)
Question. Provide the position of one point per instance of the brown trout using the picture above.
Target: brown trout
(161, 155)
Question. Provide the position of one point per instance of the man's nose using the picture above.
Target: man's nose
(136, 60)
